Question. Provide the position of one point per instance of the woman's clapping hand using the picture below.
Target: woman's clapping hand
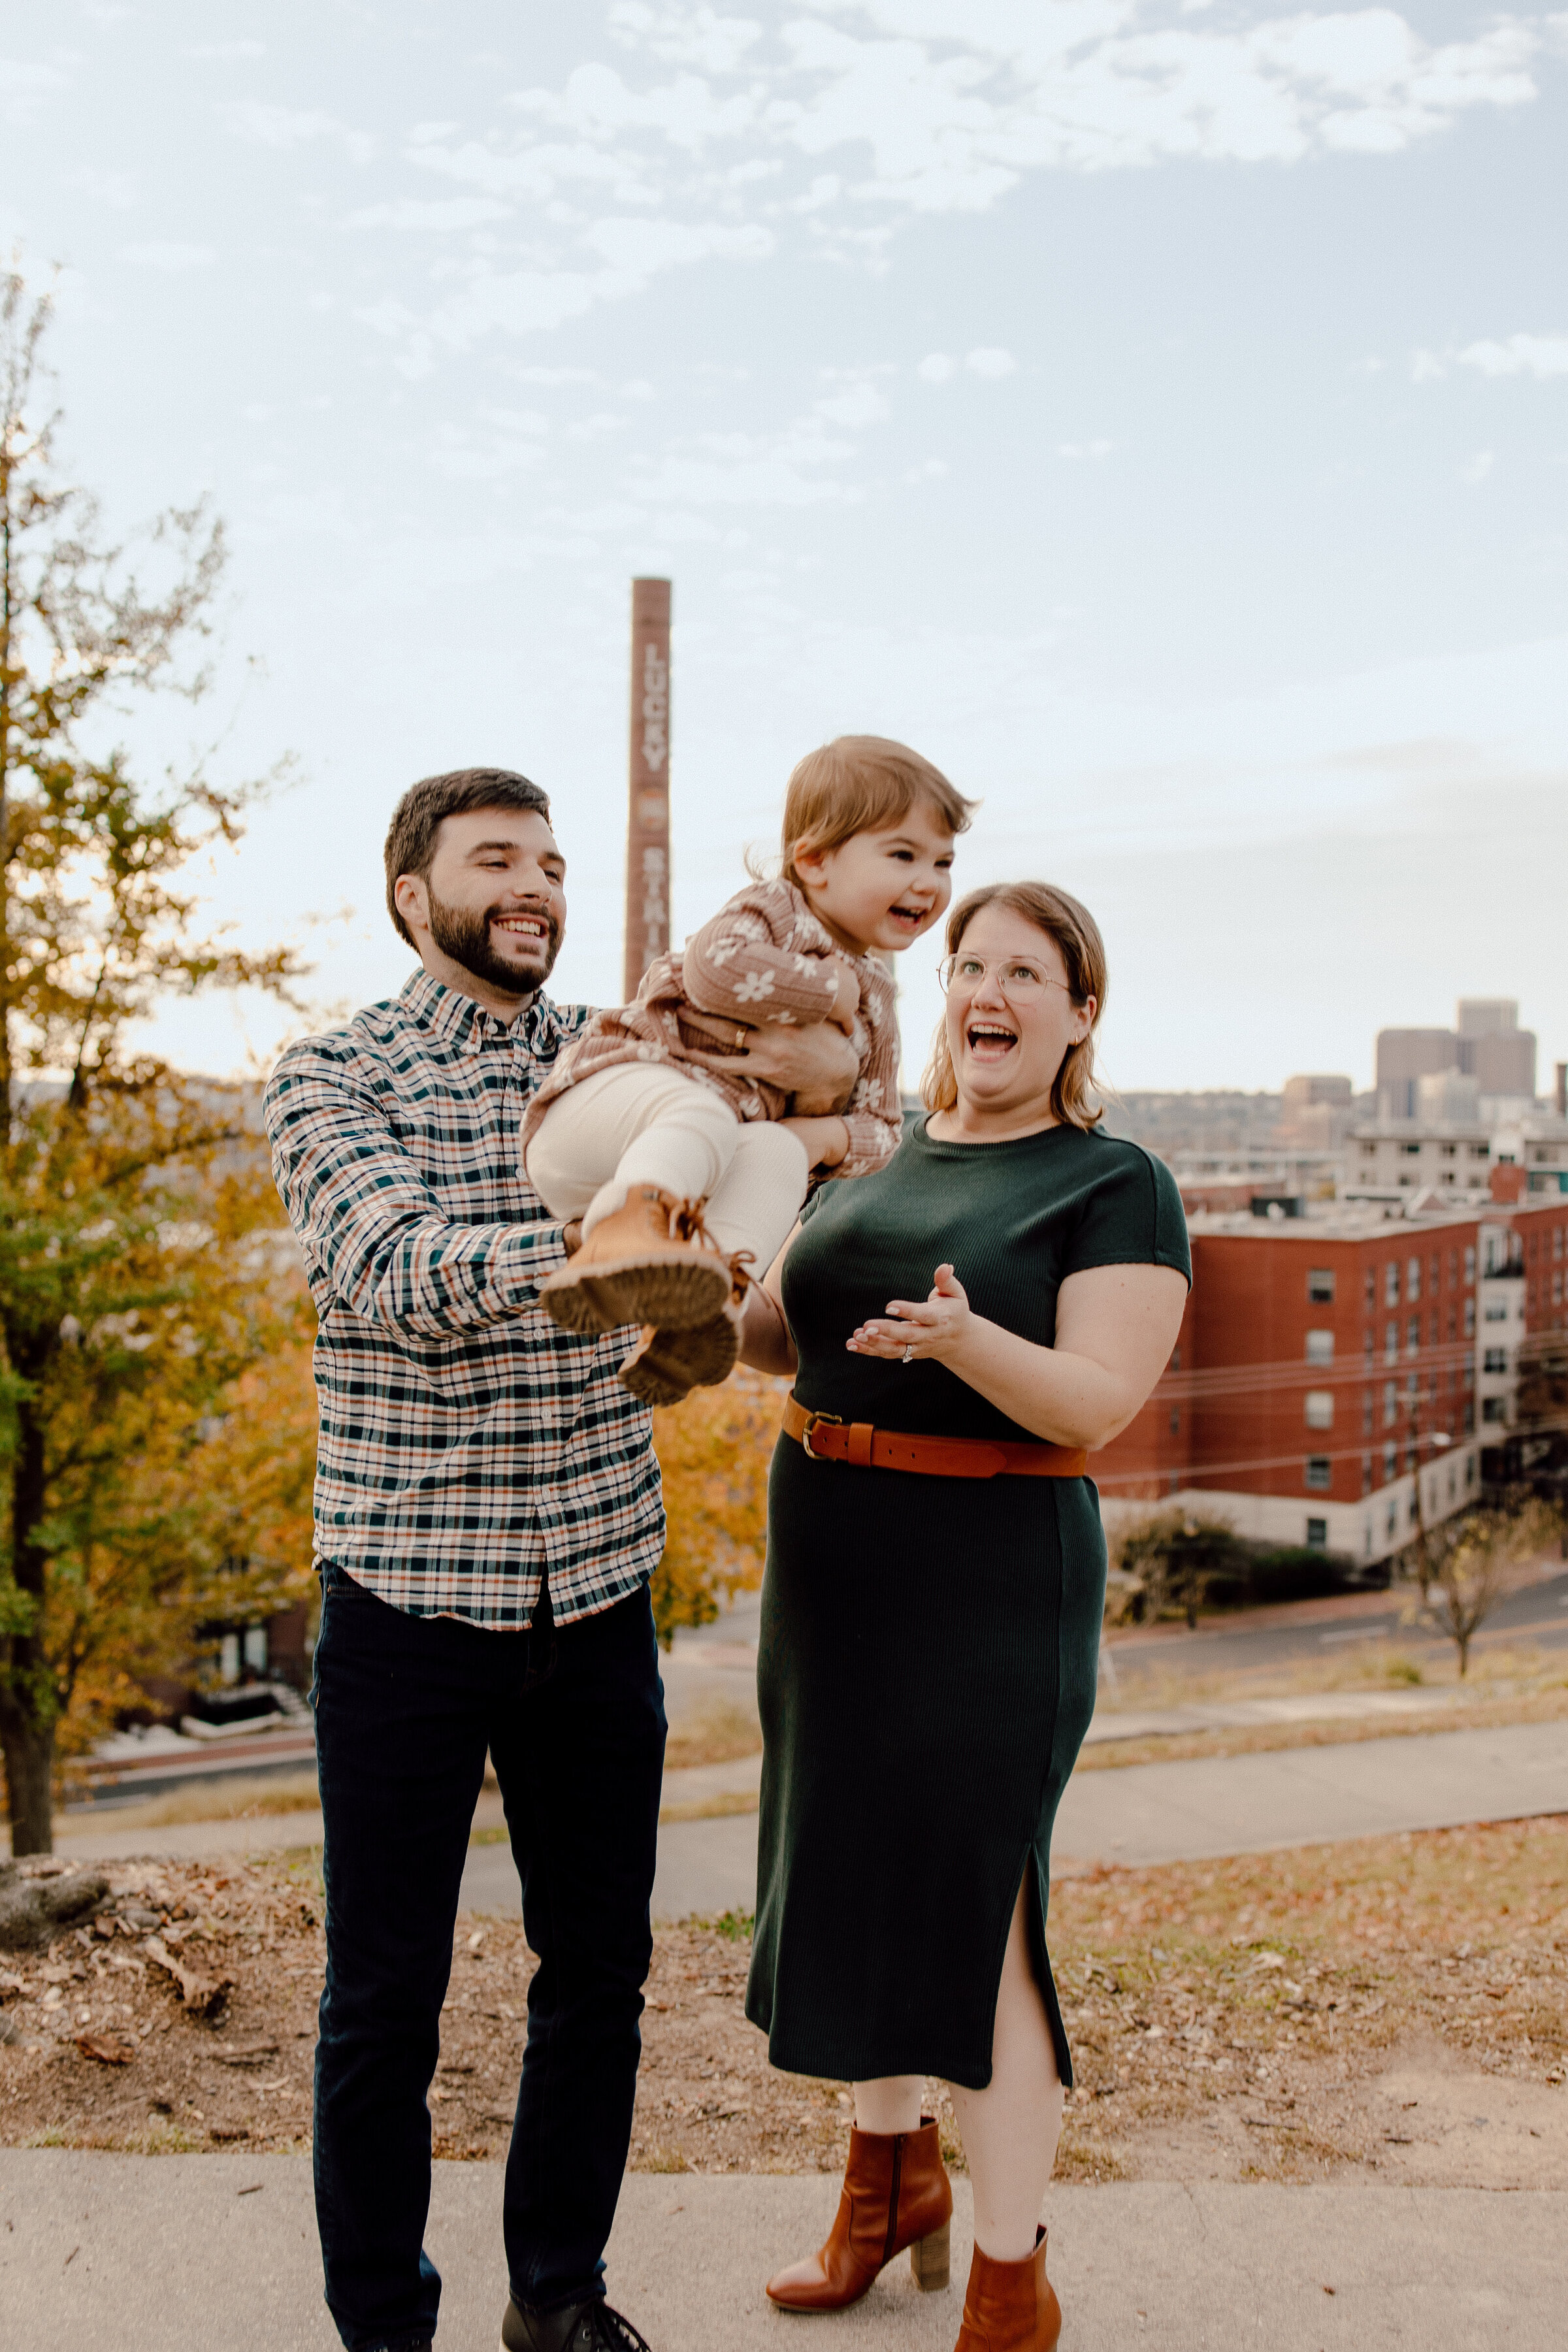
(936, 1327)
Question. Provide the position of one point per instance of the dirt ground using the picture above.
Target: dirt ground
(1396, 2007)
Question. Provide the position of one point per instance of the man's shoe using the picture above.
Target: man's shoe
(650, 1261)
(590, 2326)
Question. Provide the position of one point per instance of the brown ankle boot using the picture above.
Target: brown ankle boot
(896, 2194)
(650, 1261)
(666, 1366)
(1010, 2306)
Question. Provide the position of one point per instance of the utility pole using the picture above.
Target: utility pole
(647, 827)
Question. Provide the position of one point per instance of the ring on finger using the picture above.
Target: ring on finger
(908, 1355)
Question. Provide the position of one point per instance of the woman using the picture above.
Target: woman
(963, 1324)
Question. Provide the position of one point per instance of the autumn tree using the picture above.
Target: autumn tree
(139, 1287)
(1483, 1558)
(714, 1451)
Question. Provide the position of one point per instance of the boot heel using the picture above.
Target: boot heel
(930, 2259)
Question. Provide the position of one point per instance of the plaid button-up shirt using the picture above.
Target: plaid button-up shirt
(468, 1444)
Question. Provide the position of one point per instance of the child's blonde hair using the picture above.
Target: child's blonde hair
(859, 783)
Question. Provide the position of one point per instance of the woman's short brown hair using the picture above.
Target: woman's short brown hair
(859, 783)
(1069, 922)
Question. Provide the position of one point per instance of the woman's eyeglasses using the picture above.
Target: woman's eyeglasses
(1020, 983)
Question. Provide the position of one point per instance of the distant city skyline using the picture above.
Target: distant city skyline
(1156, 413)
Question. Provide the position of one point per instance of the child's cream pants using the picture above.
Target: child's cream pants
(647, 1123)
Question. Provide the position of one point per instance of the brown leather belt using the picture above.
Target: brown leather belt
(827, 1438)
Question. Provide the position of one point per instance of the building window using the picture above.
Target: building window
(1317, 1535)
(1470, 1263)
(1319, 1346)
(1366, 1477)
(1411, 1151)
(1453, 1322)
(1320, 1408)
(1370, 1341)
(1319, 1473)
(1495, 1361)
(1469, 1470)
(1469, 1318)
(1413, 1334)
(1413, 1280)
(1556, 1241)
(1389, 1403)
(1493, 1408)
(1175, 1422)
(1321, 1285)
(1433, 1273)
(1469, 1416)
(1369, 1287)
(1391, 1343)
(1366, 1412)
(1557, 1290)
(1496, 1310)
(1390, 1284)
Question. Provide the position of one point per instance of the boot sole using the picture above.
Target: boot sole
(673, 1297)
(663, 1370)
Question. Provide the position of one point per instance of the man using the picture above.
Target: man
(487, 1515)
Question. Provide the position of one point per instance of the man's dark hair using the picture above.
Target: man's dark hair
(417, 819)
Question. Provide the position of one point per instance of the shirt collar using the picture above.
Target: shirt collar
(451, 1015)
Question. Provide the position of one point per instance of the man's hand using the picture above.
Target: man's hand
(818, 1061)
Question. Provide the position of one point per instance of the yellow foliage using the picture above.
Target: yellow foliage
(714, 1450)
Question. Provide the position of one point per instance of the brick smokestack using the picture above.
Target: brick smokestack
(647, 828)
(1563, 1089)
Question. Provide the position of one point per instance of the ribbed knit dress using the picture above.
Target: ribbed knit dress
(929, 1648)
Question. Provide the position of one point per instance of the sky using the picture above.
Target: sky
(1155, 413)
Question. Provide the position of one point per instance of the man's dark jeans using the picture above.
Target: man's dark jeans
(573, 1719)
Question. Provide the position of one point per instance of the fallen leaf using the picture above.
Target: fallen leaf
(199, 1993)
(108, 2049)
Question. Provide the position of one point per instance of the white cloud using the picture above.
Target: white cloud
(438, 213)
(638, 248)
(1538, 355)
(859, 405)
(1092, 450)
(24, 86)
(936, 368)
(692, 37)
(991, 362)
(1477, 467)
(283, 126)
(169, 255)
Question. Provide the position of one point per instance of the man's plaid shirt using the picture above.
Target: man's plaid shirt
(469, 1444)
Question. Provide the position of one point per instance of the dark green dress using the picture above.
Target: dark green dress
(930, 1646)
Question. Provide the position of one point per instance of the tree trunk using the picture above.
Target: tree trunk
(29, 1750)
(1462, 1642)
(27, 1698)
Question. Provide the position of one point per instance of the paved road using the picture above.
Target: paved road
(169, 2254)
(1539, 1615)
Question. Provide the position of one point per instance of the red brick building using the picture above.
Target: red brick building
(1326, 1361)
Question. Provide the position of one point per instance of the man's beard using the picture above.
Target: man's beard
(465, 937)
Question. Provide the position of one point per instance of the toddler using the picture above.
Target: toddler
(683, 1170)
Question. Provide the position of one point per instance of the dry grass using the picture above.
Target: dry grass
(1276, 2016)
(247, 1797)
(1258, 1738)
(715, 1734)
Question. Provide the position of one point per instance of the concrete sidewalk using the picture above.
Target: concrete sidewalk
(218, 2253)
(1135, 1814)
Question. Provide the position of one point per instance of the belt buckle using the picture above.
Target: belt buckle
(815, 1421)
